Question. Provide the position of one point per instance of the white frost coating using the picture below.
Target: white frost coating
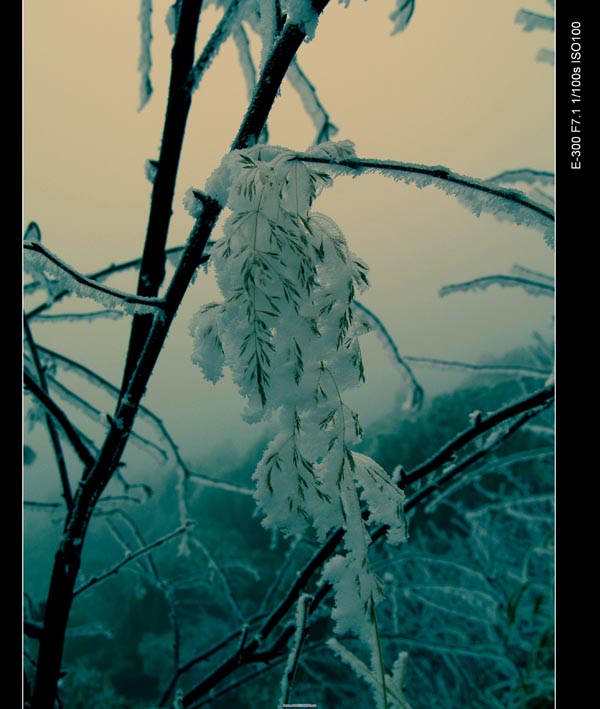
(245, 59)
(303, 14)
(267, 29)
(36, 261)
(287, 330)
(394, 697)
(145, 60)
(526, 175)
(530, 286)
(478, 196)
(296, 646)
(307, 93)
(172, 17)
(191, 203)
(150, 170)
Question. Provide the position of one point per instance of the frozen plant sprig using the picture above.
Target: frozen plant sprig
(287, 330)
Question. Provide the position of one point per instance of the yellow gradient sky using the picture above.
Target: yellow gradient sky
(461, 88)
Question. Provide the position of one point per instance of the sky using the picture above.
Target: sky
(461, 87)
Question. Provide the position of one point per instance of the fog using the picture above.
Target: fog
(460, 88)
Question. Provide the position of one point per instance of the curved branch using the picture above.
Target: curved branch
(531, 287)
(529, 406)
(444, 454)
(513, 369)
(129, 558)
(418, 394)
(86, 287)
(56, 444)
(521, 208)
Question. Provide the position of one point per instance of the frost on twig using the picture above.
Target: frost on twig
(415, 401)
(291, 666)
(311, 102)
(479, 196)
(222, 31)
(129, 558)
(145, 60)
(388, 692)
(288, 330)
(530, 286)
(37, 258)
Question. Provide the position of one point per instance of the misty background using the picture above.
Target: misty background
(461, 87)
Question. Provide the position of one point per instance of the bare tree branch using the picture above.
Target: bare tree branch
(530, 286)
(60, 417)
(86, 287)
(56, 444)
(417, 390)
(129, 558)
(437, 173)
(511, 369)
(221, 33)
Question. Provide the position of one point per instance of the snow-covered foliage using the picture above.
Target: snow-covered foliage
(288, 331)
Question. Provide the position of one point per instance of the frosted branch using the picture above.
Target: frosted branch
(145, 60)
(224, 581)
(39, 257)
(56, 444)
(417, 390)
(526, 175)
(128, 559)
(245, 58)
(30, 288)
(68, 395)
(95, 379)
(510, 369)
(311, 102)
(529, 286)
(221, 33)
(60, 417)
(289, 673)
(477, 195)
(532, 402)
(76, 317)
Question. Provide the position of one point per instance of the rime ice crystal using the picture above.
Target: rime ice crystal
(287, 330)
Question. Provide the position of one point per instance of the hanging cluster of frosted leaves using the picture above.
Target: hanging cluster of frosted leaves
(287, 330)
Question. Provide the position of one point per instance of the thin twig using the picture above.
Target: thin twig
(417, 394)
(129, 558)
(220, 34)
(437, 173)
(94, 286)
(444, 454)
(100, 381)
(97, 276)
(56, 444)
(530, 286)
(60, 417)
(100, 417)
(512, 369)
